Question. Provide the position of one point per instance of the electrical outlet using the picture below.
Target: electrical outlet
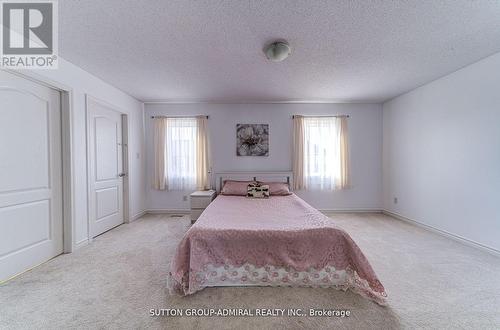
(395, 200)
(185, 198)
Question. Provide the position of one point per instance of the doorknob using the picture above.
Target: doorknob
(121, 175)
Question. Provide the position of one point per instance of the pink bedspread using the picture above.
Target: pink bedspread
(277, 241)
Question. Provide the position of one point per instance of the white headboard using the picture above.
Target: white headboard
(276, 176)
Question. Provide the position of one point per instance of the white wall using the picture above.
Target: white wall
(365, 130)
(81, 82)
(442, 153)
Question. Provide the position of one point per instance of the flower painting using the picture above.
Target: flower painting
(252, 139)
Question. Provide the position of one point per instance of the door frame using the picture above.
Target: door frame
(125, 164)
(68, 163)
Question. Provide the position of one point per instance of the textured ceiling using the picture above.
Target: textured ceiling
(211, 50)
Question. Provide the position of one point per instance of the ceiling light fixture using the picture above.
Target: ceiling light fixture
(277, 51)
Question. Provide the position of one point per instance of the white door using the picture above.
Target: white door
(31, 228)
(105, 167)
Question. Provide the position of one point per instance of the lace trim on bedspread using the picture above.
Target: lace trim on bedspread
(248, 274)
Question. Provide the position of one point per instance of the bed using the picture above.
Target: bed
(277, 241)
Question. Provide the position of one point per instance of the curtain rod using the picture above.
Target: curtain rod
(153, 117)
(324, 116)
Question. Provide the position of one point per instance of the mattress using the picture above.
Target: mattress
(277, 241)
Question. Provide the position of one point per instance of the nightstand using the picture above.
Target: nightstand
(199, 202)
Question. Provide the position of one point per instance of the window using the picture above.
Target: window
(181, 153)
(320, 153)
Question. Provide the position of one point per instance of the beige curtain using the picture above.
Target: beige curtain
(160, 151)
(298, 153)
(202, 158)
(345, 177)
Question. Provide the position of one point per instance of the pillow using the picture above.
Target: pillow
(255, 190)
(277, 188)
(235, 188)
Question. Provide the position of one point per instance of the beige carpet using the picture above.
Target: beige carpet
(432, 282)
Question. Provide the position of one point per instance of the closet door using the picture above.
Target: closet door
(31, 228)
(105, 167)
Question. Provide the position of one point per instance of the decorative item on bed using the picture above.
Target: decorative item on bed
(257, 190)
(275, 241)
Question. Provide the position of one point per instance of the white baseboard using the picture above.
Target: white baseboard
(80, 244)
(138, 215)
(445, 233)
(350, 211)
(168, 211)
